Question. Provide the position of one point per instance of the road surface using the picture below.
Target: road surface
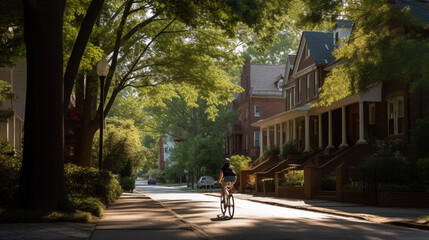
(261, 221)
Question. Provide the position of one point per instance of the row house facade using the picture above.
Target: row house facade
(261, 99)
(385, 111)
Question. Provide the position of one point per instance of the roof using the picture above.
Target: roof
(344, 23)
(321, 46)
(264, 77)
(418, 8)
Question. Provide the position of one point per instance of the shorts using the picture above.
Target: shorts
(227, 179)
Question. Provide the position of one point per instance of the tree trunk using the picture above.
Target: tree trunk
(85, 147)
(42, 184)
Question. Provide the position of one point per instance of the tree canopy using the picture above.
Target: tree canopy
(387, 44)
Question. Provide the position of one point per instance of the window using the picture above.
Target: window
(256, 139)
(290, 100)
(299, 90)
(371, 114)
(316, 84)
(294, 96)
(307, 51)
(280, 85)
(257, 111)
(308, 86)
(395, 111)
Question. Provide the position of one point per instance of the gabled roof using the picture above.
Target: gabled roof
(321, 46)
(264, 77)
(418, 8)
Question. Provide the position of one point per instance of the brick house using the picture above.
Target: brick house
(337, 133)
(262, 98)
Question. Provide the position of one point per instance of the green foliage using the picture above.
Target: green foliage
(12, 47)
(92, 182)
(10, 169)
(87, 204)
(6, 92)
(240, 162)
(329, 181)
(128, 183)
(157, 174)
(122, 149)
(386, 158)
(286, 43)
(24, 216)
(423, 166)
(292, 178)
(271, 152)
(290, 147)
(384, 46)
(419, 136)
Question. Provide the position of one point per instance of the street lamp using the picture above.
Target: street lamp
(102, 71)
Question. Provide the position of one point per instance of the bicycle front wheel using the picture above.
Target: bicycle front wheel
(223, 204)
(231, 206)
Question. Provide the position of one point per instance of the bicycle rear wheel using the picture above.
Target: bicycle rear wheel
(231, 206)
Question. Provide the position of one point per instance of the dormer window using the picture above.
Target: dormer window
(280, 85)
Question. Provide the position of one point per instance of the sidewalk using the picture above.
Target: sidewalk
(406, 217)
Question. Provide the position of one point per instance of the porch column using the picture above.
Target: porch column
(361, 125)
(281, 135)
(320, 131)
(287, 131)
(294, 129)
(275, 135)
(343, 128)
(268, 137)
(307, 133)
(330, 145)
(261, 141)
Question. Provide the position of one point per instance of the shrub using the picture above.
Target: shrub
(268, 183)
(419, 136)
(329, 181)
(128, 183)
(293, 178)
(10, 169)
(271, 152)
(87, 204)
(92, 182)
(240, 162)
(385, 157)
(290, 147)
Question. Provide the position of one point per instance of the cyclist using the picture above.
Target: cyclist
(228, 174)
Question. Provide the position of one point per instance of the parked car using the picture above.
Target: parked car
(206, 181)
(151, 181)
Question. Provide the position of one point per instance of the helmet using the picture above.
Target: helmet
(226, 160)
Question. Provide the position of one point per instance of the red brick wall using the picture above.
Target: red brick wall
(291, 191)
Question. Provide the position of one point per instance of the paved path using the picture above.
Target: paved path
(135, 216)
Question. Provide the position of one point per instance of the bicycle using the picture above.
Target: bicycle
(228, 203)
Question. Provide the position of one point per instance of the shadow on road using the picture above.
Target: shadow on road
(220, 217)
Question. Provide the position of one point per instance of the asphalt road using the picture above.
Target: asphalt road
(260, 221)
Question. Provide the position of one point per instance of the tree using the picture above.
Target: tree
(42, 185)
(387, 44)
(276, 54)
(12, 45)
(122, 146)
(160, 46)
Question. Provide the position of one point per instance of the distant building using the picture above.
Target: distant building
(12, 112)
(166, 144)
(262, 98)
